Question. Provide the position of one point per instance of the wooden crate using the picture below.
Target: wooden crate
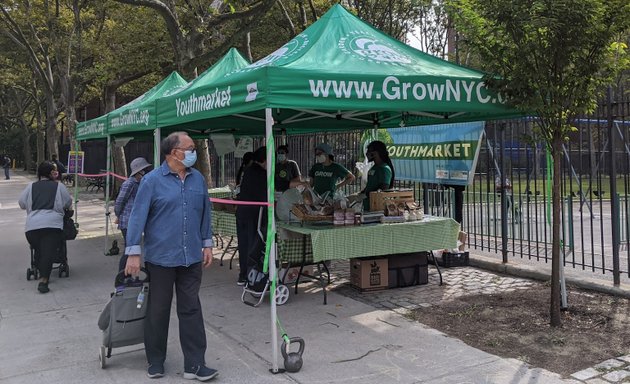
(379, 200)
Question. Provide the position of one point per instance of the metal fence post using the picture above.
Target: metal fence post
(504, 207)
(614, 200)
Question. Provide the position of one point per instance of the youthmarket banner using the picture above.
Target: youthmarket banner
(441, 154)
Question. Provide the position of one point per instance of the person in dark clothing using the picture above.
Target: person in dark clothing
(6, 164)
(61, 169)
(287, 171)
(253, 188)
(248, 159)
(45, 202)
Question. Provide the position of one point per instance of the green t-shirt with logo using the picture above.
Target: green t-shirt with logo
(378, 176)
(325, 177)
(285, 172)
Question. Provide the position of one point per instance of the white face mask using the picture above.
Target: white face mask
(321, 158)
(281, 157)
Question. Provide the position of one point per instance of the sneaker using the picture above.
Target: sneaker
(200, 372)
(43, 288)
(241, 281)
(155, 370)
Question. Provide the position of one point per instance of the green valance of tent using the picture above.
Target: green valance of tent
(140, 114)
(340, 73)
(137, 115)
(92, 129)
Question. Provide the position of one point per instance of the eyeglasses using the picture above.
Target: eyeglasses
(192, 149)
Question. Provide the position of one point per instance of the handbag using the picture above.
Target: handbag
(70, 230)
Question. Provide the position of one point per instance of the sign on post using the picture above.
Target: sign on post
(75, 161)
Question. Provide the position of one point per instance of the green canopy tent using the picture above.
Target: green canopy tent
(134, 116)
(339, 74)
(140, 114)
(139, 117)
(229, 63)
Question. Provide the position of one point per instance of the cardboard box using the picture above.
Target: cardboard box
(369, 273)
(406, 269)
(380, 200)
(290, 274)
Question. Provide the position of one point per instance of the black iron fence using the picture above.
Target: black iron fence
(591, 210)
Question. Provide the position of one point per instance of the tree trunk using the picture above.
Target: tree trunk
(41, 145)
(119, 167)
(203, 160)
(119, 161)
(248, 47)
(52, 141)
(556, 320)
(26, 146)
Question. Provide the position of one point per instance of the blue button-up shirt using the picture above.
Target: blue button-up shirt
(174, 216)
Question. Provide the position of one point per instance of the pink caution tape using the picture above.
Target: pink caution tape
(238, 202)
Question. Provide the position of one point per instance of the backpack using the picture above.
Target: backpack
(70, 230)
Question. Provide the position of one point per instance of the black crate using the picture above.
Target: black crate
(454, 259)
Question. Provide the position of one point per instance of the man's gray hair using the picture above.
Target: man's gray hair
(170, 142)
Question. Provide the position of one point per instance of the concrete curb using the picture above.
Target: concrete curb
(543, 273)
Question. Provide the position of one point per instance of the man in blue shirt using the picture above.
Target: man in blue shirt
(173, 211)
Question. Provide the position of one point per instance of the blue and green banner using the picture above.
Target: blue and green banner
(441, 154)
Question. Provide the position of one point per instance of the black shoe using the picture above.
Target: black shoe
(200, 372)
(155, 370)
(241, 281)
(43, 288)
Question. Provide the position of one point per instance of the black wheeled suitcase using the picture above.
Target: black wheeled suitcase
(122, 319)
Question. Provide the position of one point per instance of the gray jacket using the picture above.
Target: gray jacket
(45, 202)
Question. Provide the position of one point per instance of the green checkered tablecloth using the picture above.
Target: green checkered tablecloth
(293, 251)
(346, 242)
(224, 223)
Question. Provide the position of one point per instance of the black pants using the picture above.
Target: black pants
(247, 233)
(192, 334)
(122, 263)
(47, 244)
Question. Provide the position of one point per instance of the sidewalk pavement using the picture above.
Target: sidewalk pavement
(355, 338)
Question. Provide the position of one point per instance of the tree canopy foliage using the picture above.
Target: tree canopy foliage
(72, 53)
(551, 59)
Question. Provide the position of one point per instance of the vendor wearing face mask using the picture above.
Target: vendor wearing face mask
(325, 174)
(381, 175)
(287, 171)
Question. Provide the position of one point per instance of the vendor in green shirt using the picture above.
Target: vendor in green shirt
(325, 174)
(381, 175)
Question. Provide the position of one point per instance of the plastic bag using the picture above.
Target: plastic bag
(364, 168)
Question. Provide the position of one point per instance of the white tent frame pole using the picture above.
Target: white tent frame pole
(248, 117)
(272, 251)
(157, 134)
(107, 167)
